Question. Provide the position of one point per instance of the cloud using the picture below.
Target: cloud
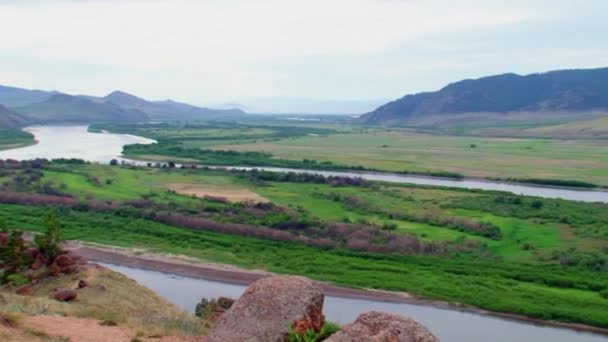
(227, 48)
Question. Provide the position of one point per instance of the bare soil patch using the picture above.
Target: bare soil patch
(87, 330)
(231, 194)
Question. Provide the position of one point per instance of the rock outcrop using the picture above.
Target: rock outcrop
(377, 326)
(24, 290)
(65, 295)
(269, 308)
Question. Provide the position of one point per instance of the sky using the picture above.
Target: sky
(233, 51)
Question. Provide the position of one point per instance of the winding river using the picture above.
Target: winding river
(448, 324)
(73, 142)
(77, 142)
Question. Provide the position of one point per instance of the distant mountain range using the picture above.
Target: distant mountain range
(167, 110)
(10, 119)
(562, 90)
(19, 107)
(287, 105)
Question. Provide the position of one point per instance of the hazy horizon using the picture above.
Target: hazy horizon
(216, 52)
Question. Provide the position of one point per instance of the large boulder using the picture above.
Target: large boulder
(269, 308)
(76, 258)
(377, 326)
(82, 284)
(64, 261)
(65, 295)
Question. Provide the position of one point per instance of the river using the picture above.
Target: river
(77, 142)
(73, 142)
(447, 324)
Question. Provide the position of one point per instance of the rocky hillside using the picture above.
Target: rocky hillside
(563, 90)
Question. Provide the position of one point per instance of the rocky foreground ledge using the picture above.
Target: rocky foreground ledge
(272, 308)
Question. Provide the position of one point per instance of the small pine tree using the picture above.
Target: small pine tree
(48, 243)
(12, 257)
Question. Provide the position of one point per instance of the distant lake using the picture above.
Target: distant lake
(73, 142)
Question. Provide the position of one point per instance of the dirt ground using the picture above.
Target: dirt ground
(57, 328)
(230, 194)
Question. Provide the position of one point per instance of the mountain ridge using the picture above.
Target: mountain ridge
(558, 90)
(60, 108)
(167, 109)
(10, 119)
(24, 106)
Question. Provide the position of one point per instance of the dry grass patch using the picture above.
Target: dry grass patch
(231, 194)
(111, 298)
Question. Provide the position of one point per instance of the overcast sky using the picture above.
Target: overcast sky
(231, 50)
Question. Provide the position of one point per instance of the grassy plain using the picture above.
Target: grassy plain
(547, 292)
(541, 238)
(14, 138)
(549, 261)
(583, 160)
(396, 149)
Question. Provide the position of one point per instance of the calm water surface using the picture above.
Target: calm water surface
(448, 325)
(73, 142)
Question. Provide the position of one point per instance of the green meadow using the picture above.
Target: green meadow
(331, 146)
(582, 160)
(544, 263)
(14, 138)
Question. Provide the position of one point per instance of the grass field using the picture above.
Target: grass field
(541, 238)
(397, 149)
(13, 138)
(549, 260)
(547, 292)
(583, 160)
(594, 127)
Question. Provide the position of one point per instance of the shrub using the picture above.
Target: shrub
(49, 242)
(604, 293)
(537, 204)
(389, 226)
(207, 308)
(17, 280)
(13, 256)
(327, 329)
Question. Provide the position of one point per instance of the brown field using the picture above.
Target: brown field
(231, 194)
